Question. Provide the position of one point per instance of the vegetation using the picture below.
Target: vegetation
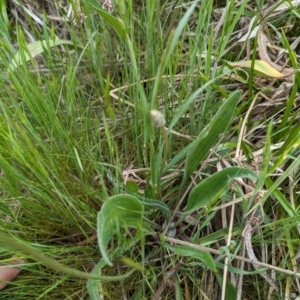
(150, 149)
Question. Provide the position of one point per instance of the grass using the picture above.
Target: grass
(91, 190)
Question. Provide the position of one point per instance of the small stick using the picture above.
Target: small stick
(247, 234)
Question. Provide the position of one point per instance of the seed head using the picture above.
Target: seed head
(157, 118)
(107, 5)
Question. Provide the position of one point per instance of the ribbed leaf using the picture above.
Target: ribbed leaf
(210, 134)
(212, 188)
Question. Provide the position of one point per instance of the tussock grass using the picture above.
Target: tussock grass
(75, 130)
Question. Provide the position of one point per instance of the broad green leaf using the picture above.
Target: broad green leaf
(132, 187)
(259, 66)
(210, 134)
(182, 110)
(208, 191)
(186, 105)
(203, 256)
(122, 207)
(118, 211)
(35, 49)
(105, 231)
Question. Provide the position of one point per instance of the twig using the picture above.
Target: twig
(247, 234)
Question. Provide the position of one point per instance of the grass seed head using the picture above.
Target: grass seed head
(157, 118)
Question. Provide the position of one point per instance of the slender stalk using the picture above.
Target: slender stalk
(53, 264)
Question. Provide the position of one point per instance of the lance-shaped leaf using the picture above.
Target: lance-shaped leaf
(197, 254)
(210, 134)
(208, 191)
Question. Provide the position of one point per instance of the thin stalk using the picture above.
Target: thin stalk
(53, 264)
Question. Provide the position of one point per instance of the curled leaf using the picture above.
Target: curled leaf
(117, 211)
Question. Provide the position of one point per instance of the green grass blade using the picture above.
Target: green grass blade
(169, 50)
(186, 105)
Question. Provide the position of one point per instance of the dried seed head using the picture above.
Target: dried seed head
(158, 119)
(78, 16)
(107, 5)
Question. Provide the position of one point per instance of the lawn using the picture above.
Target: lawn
(149, 149)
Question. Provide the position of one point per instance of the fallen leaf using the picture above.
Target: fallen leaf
(261, 67)
(263, 42)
